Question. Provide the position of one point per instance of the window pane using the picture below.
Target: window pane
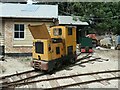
(21, 34)
(57, 31)
(69, 30)
(57, 50)
(16, 27)
(60, 31)
(39, 47)
(16, 34)
(21, 27)
(70, 49)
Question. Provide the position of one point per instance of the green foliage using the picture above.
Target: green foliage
(27, 59)
(74, 18)
(106, 16)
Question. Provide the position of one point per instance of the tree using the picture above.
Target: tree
(104, 16)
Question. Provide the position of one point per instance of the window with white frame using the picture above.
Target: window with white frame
(19, 31)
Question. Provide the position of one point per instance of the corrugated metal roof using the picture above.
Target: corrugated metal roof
(69, 20)
(28, 11)
(13, 1)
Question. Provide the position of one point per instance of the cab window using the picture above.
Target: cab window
(39, 47)
(70, 49)
(69, 30)
(57, 31)
(57, 50)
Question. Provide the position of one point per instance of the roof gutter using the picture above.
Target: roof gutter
(30, 19)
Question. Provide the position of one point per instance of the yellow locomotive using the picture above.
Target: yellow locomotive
(54, 48)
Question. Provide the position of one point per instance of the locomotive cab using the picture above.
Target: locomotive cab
(51, 50)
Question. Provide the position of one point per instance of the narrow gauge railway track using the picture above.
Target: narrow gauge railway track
(16, 74)
(64, 77)
(25, 80)
(85, 82)
(4, 78)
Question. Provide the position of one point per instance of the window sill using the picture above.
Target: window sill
(19, 39)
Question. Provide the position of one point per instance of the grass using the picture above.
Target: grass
(28, 59)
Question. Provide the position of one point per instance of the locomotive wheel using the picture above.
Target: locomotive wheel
(57, 65)
(72, 60)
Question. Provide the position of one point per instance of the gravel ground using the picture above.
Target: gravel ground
(111, 54)
(11, 65)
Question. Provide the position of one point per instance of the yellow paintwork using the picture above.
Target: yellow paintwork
(67, 40)
(59, 36)
(54, 55)
(39, 31)
(48, 55)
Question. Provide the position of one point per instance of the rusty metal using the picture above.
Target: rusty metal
(8, 76)
(24, 83)
(25, 80)
(29, 71)
(20, 82)
(85, 82)
(84, 57)
(88, 60)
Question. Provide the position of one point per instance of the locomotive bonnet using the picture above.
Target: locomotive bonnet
(52, 49)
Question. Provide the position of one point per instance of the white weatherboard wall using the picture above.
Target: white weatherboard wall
(24, 14)
(20, 46)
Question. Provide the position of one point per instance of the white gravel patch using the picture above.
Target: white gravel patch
(11, 65)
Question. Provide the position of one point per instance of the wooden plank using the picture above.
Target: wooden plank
(33, 85)
(77, 79)
(65, 81)
(70, 80)
(53, 83)
(18, 77)
(4, 81)
(14, 78)
(44, 84)
(60, 81)
(116, 74)
(82, 80)
(96, 76)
